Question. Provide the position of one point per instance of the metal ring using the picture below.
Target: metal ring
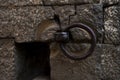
(93, 42)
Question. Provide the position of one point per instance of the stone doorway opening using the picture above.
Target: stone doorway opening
(32, 61)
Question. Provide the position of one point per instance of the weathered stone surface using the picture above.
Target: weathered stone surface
(46, 30)
(63, 68)
(90, 15)
(10, 3)
(6, 29)
(109, 2)
(112, 25)
(103, 64)
(7, 60)
(64, 12)
(21, 18)
(110, 61)
(21, 22)
(28, 20)
(19, 2)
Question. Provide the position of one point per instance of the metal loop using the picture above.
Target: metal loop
(92, 42)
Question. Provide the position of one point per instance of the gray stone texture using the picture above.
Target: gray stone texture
(7, 60)
(110, 61)
(62, 68)
(20, 19)
(19, 2)
(109, 2)
(15, 23)
(10, 3)
(92, 16)
(21, 22)
(112, 25)
(43, 2)
(64, 12)
(103, 64)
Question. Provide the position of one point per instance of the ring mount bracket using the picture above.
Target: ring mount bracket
(61, 37)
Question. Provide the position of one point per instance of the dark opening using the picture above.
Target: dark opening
(32, 60)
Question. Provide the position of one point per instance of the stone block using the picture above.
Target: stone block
(21, 22)
(103, 64)
(110, 61)
(111, 24)
(7, 59)
(109, 2)
(92, 16)
(64, 12)
(19, 2)
(63, 68)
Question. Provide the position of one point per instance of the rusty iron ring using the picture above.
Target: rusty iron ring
(92, 42)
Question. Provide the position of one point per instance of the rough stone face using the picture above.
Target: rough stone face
(19, 2)
(103, 64)
(21, 22)
(7, 60)
(90, 15)
(42, 2)
(109, 2)
(10, 3)
(62, 68)
(64, 12)
(20, 19)
(15, 23)
(110, 61)
(111, 24)
(45, 31)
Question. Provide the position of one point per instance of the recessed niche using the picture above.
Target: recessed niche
(32, 61)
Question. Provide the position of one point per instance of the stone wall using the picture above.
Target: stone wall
(20, 19)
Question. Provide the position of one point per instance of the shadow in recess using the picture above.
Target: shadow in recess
(32, 60)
